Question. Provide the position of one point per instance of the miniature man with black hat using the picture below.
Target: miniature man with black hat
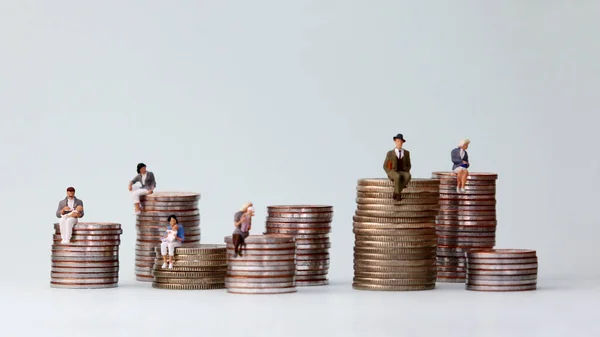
(397, 166)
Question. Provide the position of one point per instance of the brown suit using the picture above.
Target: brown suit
(398, 170)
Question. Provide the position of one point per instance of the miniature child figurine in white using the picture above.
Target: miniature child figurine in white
(174, 236)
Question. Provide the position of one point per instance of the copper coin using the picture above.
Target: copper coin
(389, 195)
(433, 200)
(466, 203)
(388, 182)
(273, 219)
(319, 226)
(314, 215)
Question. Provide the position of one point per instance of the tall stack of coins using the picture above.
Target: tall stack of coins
(152, 222)
(266, 266)
(465, 221)
(310, 225)
(91, 260)
(395, 241)
(501, 269)
(195, 267)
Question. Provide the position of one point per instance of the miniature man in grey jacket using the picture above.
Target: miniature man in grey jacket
(70, 209)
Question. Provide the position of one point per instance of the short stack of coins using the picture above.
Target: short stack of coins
(195, 267)
(395, 241)
(151, 225)
(90, 260)
(310, 225)
(501, 270)
(465, 221)
(266, 265)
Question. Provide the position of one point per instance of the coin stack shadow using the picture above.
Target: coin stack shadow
(195, 267)
(156, 209)
(501, 270)
(395, 241)
(310, 225)
(90, 260)
(465, 221)
(266, 266)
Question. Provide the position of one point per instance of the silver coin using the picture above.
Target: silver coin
(83, 255)
(313, 215)
(300, 208)
(255, 285)
(481, 278)
(449, 280)
(84, 264)
(93, 225)
(262, 258)
(506, 262)
(476, 272)
(501, 288)
(273, 226)
(312, 283)
(84, 270)
(84, 286)
(263, 252)
(266, 280)
(264, 239)
(261, 268)
(83, 276)
(85, 280)
(265, 247)
(84, 249)
(260, 274)
(233, 290)
(473, 266)
(296, 220)
(502, 253)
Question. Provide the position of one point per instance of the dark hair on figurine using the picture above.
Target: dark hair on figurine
(172, 216)
(139, 167)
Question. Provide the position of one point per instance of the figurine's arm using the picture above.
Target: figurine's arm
(152, 181)
(455, 157)
(133, 181)
(408, 163)
(59, 210)
(387, 164)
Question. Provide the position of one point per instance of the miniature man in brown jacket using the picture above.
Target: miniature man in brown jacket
(397, 166)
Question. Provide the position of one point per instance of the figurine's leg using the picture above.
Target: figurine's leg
(465, 175)
(236, 243)
(136, 194)
(395, 177)
(66, 229)
(163, 252)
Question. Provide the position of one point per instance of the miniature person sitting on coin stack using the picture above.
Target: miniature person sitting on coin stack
(397, 166)
(170, 246)
(69, 211)
(242, 223)
(460, 161)
(146, 179)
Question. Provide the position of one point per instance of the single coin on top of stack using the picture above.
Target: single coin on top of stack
(395, 241)
(152, 222)
(195, 267)
(501, 270)
(310, 225)
(90, 260)
(266, 266)
(465, 221)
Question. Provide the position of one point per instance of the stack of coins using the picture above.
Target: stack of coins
(266, 266)
(152, 222)
(91, 260)
(465, 221)
(310, 225)
(195, 267)
(501, 270)
(395, 241)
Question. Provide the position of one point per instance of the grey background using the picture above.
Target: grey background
(290, 102)
(283, 102)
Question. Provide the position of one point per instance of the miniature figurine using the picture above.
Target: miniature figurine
(243, 223)
(173, 238)
(460, 160)
(397, 166)
(148, 184)
(69, 211)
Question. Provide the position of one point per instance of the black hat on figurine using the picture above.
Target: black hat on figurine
(399, 136)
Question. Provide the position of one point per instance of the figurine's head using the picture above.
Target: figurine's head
(70, 192)
(399, 140)
(172, 220)
(141, 168)
(246, 206)
(464, 144)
